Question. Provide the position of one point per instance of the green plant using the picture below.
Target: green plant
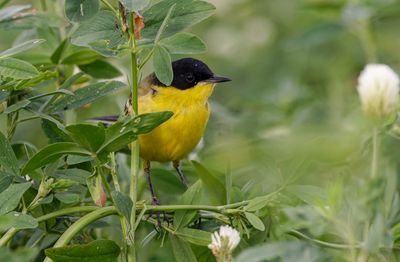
(80, 160)
(289, 161)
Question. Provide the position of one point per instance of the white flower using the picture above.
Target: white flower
(378, 87)
(223, 242)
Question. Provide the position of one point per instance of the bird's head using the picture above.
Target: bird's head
(190, 72)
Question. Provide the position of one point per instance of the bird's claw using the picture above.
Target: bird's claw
(157, 214)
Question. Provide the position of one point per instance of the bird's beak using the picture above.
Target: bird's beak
(217, 79)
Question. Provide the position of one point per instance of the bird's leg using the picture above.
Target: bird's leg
(154, 200)
(180, 173)
(146, 167)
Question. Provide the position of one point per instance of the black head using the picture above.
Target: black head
(188, 72)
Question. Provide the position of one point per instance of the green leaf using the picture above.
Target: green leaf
(185, 14)
(95, 251)
(164, 23)
(21, 47)
(255, 221)
(96, 190)
(55, 132)
(67, 198)
(10, 197)
(85, 95)
(258, 203)
(136, 5)
(81, 10)
(89, 136)
(183, 43)
(17, 69)
(17, 106)
(195, 236)
(181, 249)
(122, 133)
(52, 152)
(191, 196)
(99, 28)
(17, 220)
(59, 52)
(100, 69)
(214, 186)
(63, 183)
(162, 65)
(34, 81)
(81, 57)
(8, 161)
(77, 175)
(10, 11)
(4, 95)
(72, 80)
(5, 180)
(123, 204)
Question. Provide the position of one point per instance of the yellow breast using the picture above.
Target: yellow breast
(178, 136)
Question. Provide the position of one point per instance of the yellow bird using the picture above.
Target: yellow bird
(187, 97)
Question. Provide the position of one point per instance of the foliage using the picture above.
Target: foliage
(287, 159)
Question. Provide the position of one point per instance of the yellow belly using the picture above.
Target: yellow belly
(179, 135)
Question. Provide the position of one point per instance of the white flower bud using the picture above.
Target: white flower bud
(378, 87)
(224, 242)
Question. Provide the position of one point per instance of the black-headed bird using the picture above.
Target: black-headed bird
(187, 97)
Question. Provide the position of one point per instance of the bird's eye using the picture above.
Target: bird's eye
(189, 77)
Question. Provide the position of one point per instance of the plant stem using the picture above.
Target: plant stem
(322, 243)
(135, 144)
(66, 211)
(375, 152)
(225, 209)
(7, 236)
(106, 3)
(67, 236)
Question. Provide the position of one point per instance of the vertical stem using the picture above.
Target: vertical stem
(135, 144)
(375, 152)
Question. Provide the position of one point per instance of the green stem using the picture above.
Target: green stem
(375, 152)
(135, 144)
(67, 236)
(106, 3)
(225, 209)
(7, 236)
(12, 231)
(66, 211)
(322, 243)
(128, 238)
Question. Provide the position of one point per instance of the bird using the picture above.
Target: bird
(187, 98)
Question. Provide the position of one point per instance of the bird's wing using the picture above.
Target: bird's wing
(144, 88)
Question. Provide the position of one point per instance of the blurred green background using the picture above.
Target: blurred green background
(291, 115)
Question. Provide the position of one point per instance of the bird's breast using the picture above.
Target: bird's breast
(179, 135)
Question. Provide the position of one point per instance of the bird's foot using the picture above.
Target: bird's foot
(157, 214)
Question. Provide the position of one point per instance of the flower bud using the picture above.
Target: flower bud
(223, 242)
(45, 187)
(378, 88)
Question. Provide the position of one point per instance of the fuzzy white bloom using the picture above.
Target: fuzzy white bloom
(223, 242)
(378, 87)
